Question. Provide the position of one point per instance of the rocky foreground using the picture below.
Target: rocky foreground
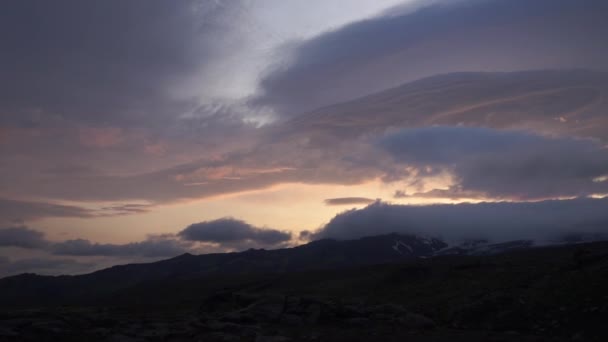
(534, 294)
(229, 316)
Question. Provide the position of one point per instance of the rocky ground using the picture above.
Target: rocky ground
(243, 317)
(555, 294)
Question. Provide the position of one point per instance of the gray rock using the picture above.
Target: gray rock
(358, 321)
(221, 337)
(313, 313)
(267, 309)
(389, 309)
(8, 332)
(417, 321)
(262, 338)
(292, 320)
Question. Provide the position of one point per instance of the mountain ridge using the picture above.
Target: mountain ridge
(320, 255)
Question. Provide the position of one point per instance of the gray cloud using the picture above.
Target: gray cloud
(231, 232)
(382, 52)
(503, 164)
(211, 236)
(78, 95)
(104, 62)
(348, 201)
(542, 221)
(223, 235)
(333, 146)
(19, 211)
(15, 211)
(151, 247)
(115, 86)
(45, 266)
(22, 237)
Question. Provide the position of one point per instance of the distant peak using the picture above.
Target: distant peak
(185, 255)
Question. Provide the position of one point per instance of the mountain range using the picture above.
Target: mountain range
(326, 254)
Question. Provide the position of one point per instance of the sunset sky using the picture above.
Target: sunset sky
(135, 130)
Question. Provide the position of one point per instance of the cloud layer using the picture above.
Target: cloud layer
(151, 247)
(22, 237)
(222, 235)
(503, 164)
(104, 63)
(503, 221)
(446, 36)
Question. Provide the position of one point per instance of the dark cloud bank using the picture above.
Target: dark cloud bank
(544, 221)
(503, 164)
(22, 237)
(225, 234)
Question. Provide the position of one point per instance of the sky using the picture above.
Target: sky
(132, 131)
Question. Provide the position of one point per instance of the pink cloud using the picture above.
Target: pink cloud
(100, 137)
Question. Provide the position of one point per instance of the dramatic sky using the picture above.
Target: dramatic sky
(133, 130)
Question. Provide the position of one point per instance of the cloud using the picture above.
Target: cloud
(446, 36)
(22, 237)
(205, 237)
(232, 232)
(219, 236)
(4, 260)
(20, 211)
(502, 164)
(109, 62)
(329, 146)
(110, 86)
(45, 266)
(155, 246)
(503, 221)
(15, 211)
(348, 201)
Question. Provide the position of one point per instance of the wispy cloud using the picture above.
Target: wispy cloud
(348, 200)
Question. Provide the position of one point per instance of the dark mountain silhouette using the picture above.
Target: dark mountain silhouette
(391, 288)
(323, 254)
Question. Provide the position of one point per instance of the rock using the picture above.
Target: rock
(101, 332)
(240, 316)
(389, 309)
(358, 321)
(292, 320)
(292, 303)
(313, 313)
(351, 311)
(221, 337)
(417, 321)
(241, 330)
(50, 326)
(272, 339)
(124, 338)
(267, 309)
(7, 332)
